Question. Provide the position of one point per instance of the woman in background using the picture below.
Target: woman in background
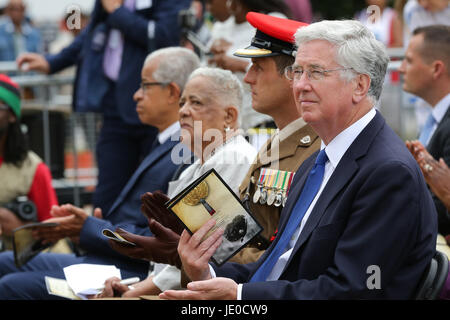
(22, 172)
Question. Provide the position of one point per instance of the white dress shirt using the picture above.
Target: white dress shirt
(168, 132)
(335, 150)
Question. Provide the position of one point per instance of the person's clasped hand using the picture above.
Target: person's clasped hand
(160, 248)
(416, 148)
(113, 288)
(220, 46)
(153, 206)
(195, 254)
(70, 220)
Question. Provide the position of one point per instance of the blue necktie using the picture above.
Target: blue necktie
(426, 131)
(310, 190)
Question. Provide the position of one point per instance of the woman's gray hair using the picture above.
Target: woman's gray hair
(225, 83)
(356, 48)
(176, 66)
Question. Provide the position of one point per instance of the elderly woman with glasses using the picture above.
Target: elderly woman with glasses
(209, 120)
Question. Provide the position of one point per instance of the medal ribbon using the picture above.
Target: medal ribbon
(275, 185)
(271, 177)
(289, 183)
(284, 180)
(261, 176)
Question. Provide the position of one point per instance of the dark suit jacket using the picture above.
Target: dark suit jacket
(374, 210)
(154, 173)
(87, 51)
(439, 147)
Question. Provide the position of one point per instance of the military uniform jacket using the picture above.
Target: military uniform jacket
(297, 142)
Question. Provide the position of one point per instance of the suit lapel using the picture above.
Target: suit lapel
(337, 181)
(343, 173)
(442, 123)
(151, 158)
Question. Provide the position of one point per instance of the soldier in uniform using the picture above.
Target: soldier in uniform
(272, 50)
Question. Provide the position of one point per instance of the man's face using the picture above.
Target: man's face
(151, 98)
(16, 11)
(269, 88)
(416, 72)
(326, 102)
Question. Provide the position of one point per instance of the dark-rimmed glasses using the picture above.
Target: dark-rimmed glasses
(145, 85)
(295, 73)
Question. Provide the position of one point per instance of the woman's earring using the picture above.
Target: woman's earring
(227, 128)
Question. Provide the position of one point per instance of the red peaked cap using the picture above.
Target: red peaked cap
(274, 36)
(279, 28)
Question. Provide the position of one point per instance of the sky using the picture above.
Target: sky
(39, 10)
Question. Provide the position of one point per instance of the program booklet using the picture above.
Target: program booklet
(117, 237)
(25, 246)
(209, 197)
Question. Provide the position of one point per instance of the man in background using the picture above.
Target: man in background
(426, 71)
(109, 54)
(17, 34)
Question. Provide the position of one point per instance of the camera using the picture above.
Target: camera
(188, 23)
(187, 19)
(23, 208)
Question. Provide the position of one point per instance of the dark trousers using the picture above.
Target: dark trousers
(28, 282)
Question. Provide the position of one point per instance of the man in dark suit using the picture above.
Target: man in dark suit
(426, 70)
(359, 222)
(109, 54)
(164, 75)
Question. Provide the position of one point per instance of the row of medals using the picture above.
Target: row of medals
(273, 187)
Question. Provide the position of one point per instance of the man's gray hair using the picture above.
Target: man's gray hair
(225, 83)
(175, 65)
(356, 48)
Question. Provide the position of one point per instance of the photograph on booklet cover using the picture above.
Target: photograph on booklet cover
(209, 197)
